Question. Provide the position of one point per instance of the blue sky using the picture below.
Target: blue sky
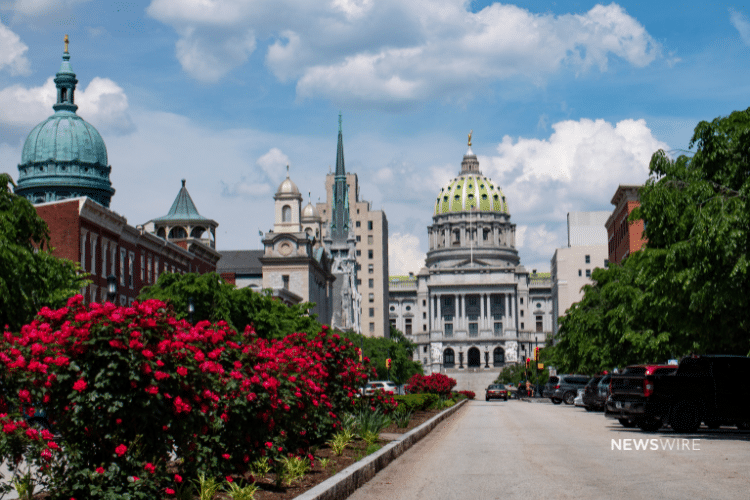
(566, 101)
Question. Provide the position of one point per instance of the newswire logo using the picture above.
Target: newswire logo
(655, 444)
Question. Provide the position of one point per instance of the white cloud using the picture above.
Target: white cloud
(404, 255)
(394, 52)
(103, 103)
(740, 22)
(12, 51)
(44, 8)
(274, 164)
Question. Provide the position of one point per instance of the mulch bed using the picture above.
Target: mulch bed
(354, 452)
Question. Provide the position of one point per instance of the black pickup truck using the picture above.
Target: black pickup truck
(707, 388)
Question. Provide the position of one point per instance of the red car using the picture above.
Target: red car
(496, 392)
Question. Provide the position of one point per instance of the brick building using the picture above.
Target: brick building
(624, 237)
(64, 171)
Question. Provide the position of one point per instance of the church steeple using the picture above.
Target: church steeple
(65, 81)
(340, 221)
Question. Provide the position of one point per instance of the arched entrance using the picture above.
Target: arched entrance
(474, 358)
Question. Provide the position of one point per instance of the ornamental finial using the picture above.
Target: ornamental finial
(470, 132)
(339, 122)
(287, 170)
(66, 43)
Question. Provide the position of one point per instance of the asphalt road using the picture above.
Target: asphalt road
(517, 449)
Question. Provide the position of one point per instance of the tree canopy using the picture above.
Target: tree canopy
(687, 290)
(216, 300)
(30, 276)
(397, 347)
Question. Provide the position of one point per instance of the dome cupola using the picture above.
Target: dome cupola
(470, 190)
(64, 156)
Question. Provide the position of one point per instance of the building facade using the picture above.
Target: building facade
(473, 308)
(624, 237)
(64, 171)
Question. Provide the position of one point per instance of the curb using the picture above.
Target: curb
(348, 480)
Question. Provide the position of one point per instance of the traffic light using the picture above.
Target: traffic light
(388, 363)
(359, 353)
(536, 353)
(528, 362)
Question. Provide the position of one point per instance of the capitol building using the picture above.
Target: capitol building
(473, 308)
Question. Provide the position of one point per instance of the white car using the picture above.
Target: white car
(384, 385)
(578, 401)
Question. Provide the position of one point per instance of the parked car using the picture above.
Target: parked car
(549, 387)
(566, 388)
(383, 385)
(626, 390)
(703, 389)
(496, 391)
(591, 393)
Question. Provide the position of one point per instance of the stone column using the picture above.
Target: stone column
(439, 319)
(481, 312)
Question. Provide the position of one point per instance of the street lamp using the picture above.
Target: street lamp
(111, 288)
(191, 309)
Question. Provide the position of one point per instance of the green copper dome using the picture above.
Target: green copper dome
(470, 190)
(64, 156)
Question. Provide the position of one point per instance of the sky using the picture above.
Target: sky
(566, 100)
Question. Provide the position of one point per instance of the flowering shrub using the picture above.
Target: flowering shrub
(380, 400)
(128, 386)
(436, 383)
(468, 394)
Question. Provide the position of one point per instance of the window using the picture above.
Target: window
(369, 254)
(131, 268)
(372, 327)
(104, 258)
(372, 297)
(424, 315)
(93, 253)
(285, 281)
(371, 283)
(522, 313)
(393, 308)
(359, 282)
(588, 273)
(407, 326)
(359, 238)
(539, 324)
(473, 330)
(498, 329)
(424, 348)
(449, 358)
(156, 268)
(359, 268)
(369, 225)
(538, 305)
(393, 323)
(369, 239)
(522, 326)
(588, 259)
(424, 328)
(498, 356)
(122, 267)
(143, 267)
(408, 308)
(448, 329)
(358, 224)
(424, 303)
(521, 300)
(372, 312)
(580, 273)
(359, 252)
(371, 269)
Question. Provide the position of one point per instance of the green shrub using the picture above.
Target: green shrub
(416, 402)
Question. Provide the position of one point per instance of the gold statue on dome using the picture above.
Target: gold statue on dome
(66, 43)
(470, 132)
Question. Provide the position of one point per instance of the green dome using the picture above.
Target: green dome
(64, 156)
(470, 191)
(64, 137)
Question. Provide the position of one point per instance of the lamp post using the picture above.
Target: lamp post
(111, 288)
(191, 309)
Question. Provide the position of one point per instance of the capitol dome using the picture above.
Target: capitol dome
(64, 156)
(470, 191)
(287, 186)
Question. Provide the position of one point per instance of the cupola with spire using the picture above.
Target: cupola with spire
(287, 210)
(183, 222)
(64, 156)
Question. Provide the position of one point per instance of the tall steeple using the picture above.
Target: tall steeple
(340, 222)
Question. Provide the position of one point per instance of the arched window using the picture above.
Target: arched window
(197, 232)
(498, 357)
(161, 233)
(177, 232)
(286, 213)
(449, 358)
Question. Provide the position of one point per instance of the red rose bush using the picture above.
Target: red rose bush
(436, 383)
(129, 389)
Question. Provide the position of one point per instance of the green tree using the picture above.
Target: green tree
(397, 347)
(30, 276)
(216, 300)
(697, 220)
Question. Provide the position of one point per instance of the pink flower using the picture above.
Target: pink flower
(80, 385)
(149, 467)
(226, 456)
(169, 491)
(182, 370)
(100, 470)
(120, 450)
(152, 389)
(24, 396)
(229, 479)
(46, 454)
(178, 478)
